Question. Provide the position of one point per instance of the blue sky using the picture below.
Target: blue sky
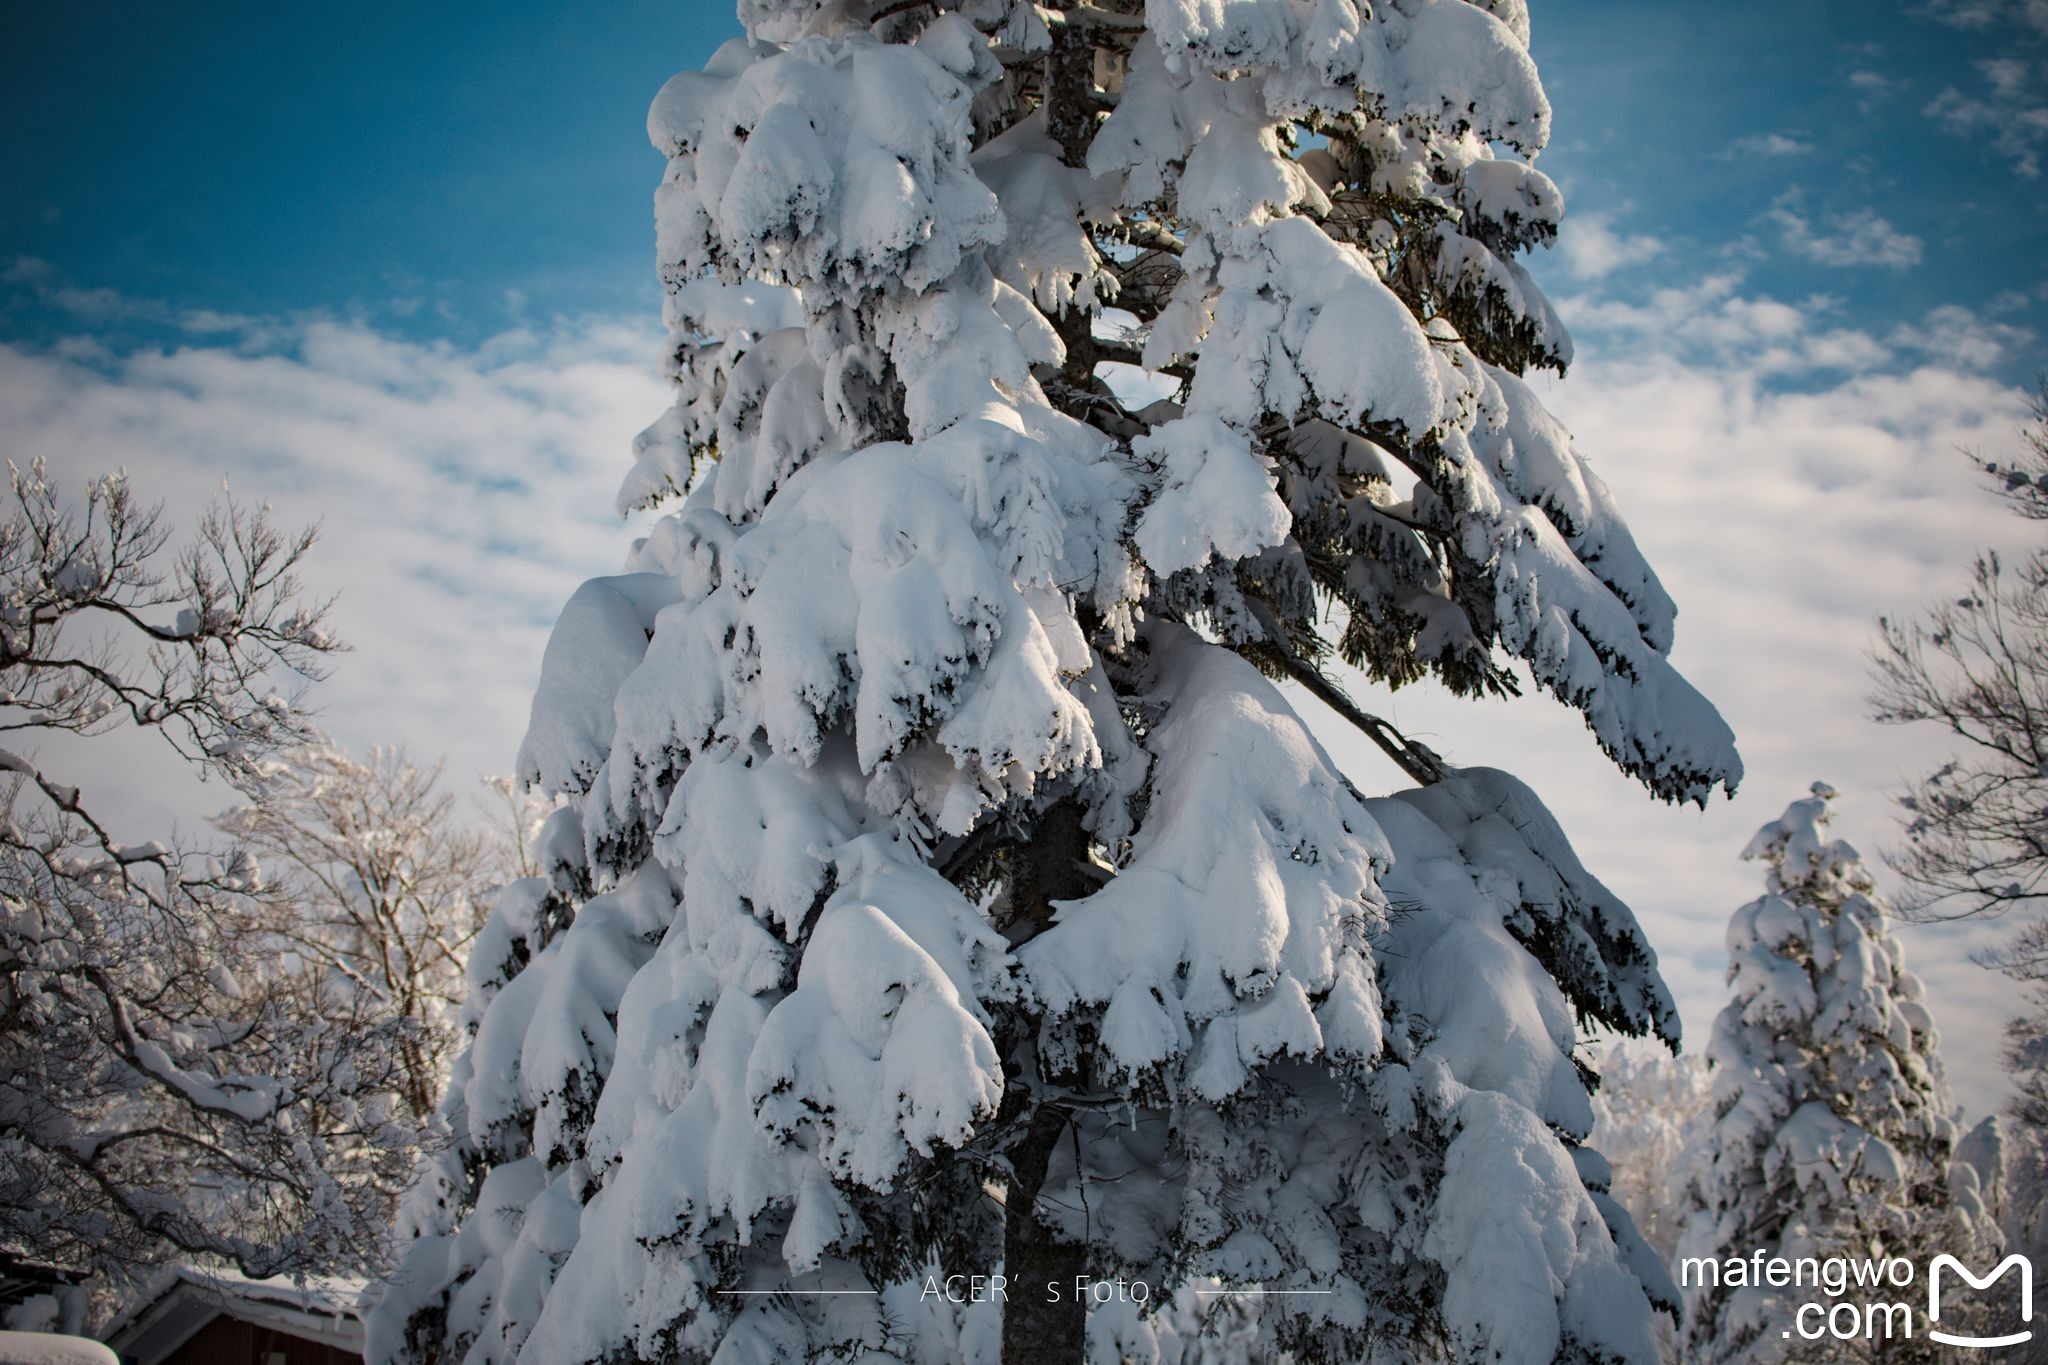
(1714, 128)
(380, 157)
(450, 167)
(390, 266)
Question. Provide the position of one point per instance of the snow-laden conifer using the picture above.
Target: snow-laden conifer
(1832, 1132)
(945, 883)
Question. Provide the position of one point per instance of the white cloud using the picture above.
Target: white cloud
(1592, 248)
(2008, 112)
(462, 492)
(1983, 14)
(1714, 324)
(1872, 88)
(1850, 239)
(2015, 300)
(105, 306)
(1765, 145)
(1958, 337)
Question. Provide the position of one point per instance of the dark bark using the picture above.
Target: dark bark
(1070, 110)
(1037, 1328)
(1053, 866)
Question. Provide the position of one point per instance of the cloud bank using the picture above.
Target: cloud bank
(1791, 477)
(462, 494)
(1860, 237)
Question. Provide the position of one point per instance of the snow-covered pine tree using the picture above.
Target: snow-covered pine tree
(945, 882)
(1832, 1134)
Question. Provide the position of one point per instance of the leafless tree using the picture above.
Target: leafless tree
(514, 817)
(1977, 830)
(165, 1086)
(379, 888)
(1977, 827)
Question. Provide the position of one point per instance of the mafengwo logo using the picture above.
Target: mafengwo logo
(1947, 1262)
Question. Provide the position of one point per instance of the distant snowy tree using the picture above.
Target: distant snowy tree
(2003, 1168)
(164, 1086)
(1999, 1167)
(2012, 1156)
(514, 816)
(1831, 1129)
(377, 885)
(2023, 1151)
(945, 885)
(1651, 1118)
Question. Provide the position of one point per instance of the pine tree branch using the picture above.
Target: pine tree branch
(1415, 760)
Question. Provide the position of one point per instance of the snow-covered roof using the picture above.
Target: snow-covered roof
(48, 1348)
(186, 1298)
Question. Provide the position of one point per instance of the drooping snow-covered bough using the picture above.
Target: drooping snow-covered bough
(946, 885)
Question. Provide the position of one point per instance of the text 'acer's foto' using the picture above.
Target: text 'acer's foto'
(947, 884)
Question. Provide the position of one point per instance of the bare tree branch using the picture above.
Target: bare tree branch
(172, 1081)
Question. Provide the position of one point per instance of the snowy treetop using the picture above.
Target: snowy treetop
(1306, 217)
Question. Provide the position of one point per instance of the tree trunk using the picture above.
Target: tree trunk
(1044, 1322)
(1039, 1328)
